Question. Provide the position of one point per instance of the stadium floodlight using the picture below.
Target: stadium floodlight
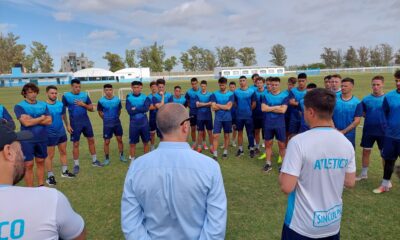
(122, 92)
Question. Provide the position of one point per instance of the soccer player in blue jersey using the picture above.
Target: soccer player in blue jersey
(327, 82)
(245, 102)
(6, 118)
(258, 115)
(161, 97)
(56, 136)
(152, 114)
(178, 97)
(137, 105)
(374, 123)
(336, 81)
(292, 81)
(204, 117)
(391, 145)
(295, 95)
(34, 116)
(109, 109)
(348, 111)
(274, 104)
(232, 88)
(78, 104)
(254, 77)
(221, 102)
(191, 98)
(303, 124)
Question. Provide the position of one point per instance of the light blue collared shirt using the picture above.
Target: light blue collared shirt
(175, 193)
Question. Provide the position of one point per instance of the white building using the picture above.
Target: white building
(131, 74)
(95, 75)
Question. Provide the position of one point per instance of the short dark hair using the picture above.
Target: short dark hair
(397, 74)
(107, 85)
(153, 83)
(232, 83)
(327, 77)
(378, 77)
(193, 80)
(75, 81)
(160, 81)
(222, 80)
(292, 80)
(336, 76)
(322, 100)
(243, 77)
(302, 75)
(177, 87)
(203, 82)
(311, 86)
(275, 79)
(136, 83)
(347, 79)
(254, 76)
(268, 79)
(260, 79)
(29, 86)
(51, 87)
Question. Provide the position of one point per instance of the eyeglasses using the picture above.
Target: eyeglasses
(185, 120)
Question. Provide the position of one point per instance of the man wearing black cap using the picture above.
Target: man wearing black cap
(24, 213)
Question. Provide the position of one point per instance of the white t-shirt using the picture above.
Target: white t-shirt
(319, 158)
(37, 213)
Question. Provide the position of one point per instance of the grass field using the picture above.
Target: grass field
(256, 206)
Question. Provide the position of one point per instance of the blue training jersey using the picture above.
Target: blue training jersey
(56, 110)
(244, 100)
(191, 98)
(391, 107)
(375, 121)
(157, 98)
(271, 119)
(34, 110)
(257, 113)
(77, 114)
(222, 98)
(141, 103)
(152, 113)
(4, 114)
(204, 113)
(344, 114)
(111, 109)
(303, 125)
(181, 100)
(296, 94)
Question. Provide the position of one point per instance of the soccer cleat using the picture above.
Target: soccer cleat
(224, 155)
(381, 189)
(76, 169)
(205, 146)
(263, 156)
(199, 149)
(106, 162)
(252, 153)
(51, 181)
(361, 177)
(97, 163)
(239, 153)
(257, 151)
(67, 174)
(122, 158)
(279, 159)
(267, 168)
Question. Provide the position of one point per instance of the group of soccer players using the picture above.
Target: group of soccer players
(261, 107)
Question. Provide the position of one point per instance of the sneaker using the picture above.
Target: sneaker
(263, 156)
(205, 146)
(51, 181)
(211, 149)
(97, 163)
(279, 160)
(199, 149)
(381, 189)
(252, 153)
(233, 144)
(122, 158)
(257, 151)
(106, 162)
(215, 158)
(361, 177)
(151, 149)
(239, 153)
(67, 174)
(194, 146)
(222, 146)
(224, 155)
(267, 168)
(76, 169)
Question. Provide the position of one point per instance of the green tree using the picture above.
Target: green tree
(207, 60)
(28, 64)
(387, 54)
(375, 56)
(152, 57)
(351, 58)
(42, 58)
(338, 58)
(363, 54)
(11, 52)
(278, 54)
(247, 56)
(226, 56)
(130, 58)
(170, 63)
(114, 61)
(397, 57)
(328, 57)
(198, 59)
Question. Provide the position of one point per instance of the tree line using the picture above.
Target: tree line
(38, 59)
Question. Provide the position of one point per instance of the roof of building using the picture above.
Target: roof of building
(129, 70)
(93, 72)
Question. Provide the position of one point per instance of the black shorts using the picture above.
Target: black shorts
(193, 120)
(258, 123)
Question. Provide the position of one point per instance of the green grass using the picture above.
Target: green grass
(256, 207)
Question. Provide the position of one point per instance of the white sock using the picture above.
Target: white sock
(49, 174)
(131, 158)
(241, 148)
(94, 158)
(268, 162)
(251, 148)
(64, 168)
(76, 162)
(385, 183)
(215, 153)
(256, 146)
(225, 151)
(364, 171)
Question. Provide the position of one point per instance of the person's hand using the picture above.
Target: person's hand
(342, 131)
(69, 129)
(79, 103)
(133, 108)
(161, 93)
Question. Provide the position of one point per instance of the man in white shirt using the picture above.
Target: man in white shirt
(313, 173)
(31, 213)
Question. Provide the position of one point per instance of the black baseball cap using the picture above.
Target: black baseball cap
(8, 135)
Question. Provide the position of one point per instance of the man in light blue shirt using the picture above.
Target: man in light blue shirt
(174, 192)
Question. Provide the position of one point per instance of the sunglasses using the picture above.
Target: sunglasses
(185, 120)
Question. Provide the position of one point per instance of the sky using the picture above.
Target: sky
(303, 27)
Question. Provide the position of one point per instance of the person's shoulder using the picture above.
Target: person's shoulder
(50, 194)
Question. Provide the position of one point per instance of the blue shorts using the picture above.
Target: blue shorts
(116, 130)
(78, 129)
(139, 131)
(204, 124)
(351, 138)
(34, 149)
(391, 149)
(289, 234)
(294, 126)
(54, 141)
(234, 121)
(152, 124)
(278, 133)
(258, 123)
(219, 125)
(193, 120)
(241, 123)
(367, 141)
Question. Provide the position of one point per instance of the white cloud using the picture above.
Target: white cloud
(103, 35)
(5, 27)
(62, 16)
(136, 42)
